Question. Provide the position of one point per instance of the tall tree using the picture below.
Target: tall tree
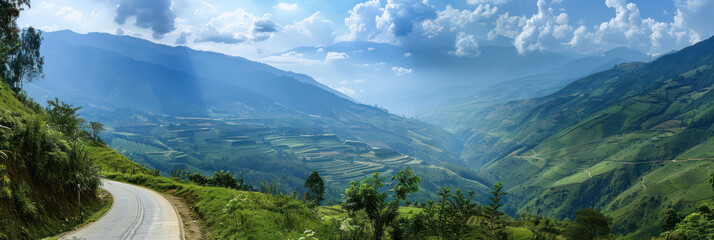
(96, 128)
(64, 117)
(366, 195)
(494, 225)
(589, 224)
(24, 61)
(315, 188)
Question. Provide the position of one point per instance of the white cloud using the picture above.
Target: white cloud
(629, 29)
(455, 19)
(316, 25)
(290, 58)
(508, 26)
(237, 26)
(494, 2)
(331, 56)
(206, 8)
(407, 54)
(286, 6)
(70, 14)
(466, 46)
(347, 91)
(543, 30)
(400, 71)
(320, 50)
(372, 21)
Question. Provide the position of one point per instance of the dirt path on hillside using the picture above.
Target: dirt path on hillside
(190, 225)
(589, 175)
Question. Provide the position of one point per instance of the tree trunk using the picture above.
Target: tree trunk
(378, 231)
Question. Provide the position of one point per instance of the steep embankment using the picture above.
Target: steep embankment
(632, 141)
(40, 170)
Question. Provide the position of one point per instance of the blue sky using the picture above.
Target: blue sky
(255, 29)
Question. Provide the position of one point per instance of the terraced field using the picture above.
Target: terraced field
(260, 154)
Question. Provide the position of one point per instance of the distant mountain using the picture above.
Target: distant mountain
(198, 63)
(459, 114)
(173, 107)
(406, 81)
(633, 141)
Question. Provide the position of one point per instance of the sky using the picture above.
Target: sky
(256, 29)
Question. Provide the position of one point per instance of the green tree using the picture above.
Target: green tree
(9, 12)
(64, 117)
(24, 61)
(589, 224)
(494, 225)
(315, 188)
(223, 179)
(96, 128)
(711, 180)
(366, 195)
(198, 179)
(670, 220)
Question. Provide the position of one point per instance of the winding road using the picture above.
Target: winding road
(137, 213)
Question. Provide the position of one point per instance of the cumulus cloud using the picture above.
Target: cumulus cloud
(286, 6)
(156, 15)
(543, 30)
(237, 26)
(629, 28)
(331, 56)
(547, 29)
(373, 21)
(508, 26)
(455, 19)
(400, 71)
(466, 46)
(183, 38)
(316, 25)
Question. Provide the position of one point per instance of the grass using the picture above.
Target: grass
(519, 233)
(233, 214)
(96, 214)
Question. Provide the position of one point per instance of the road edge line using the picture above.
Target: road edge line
(183, 233)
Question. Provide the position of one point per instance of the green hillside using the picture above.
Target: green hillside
(632, 141)
(260, 150)
(40, 168)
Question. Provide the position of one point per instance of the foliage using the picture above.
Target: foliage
(96, 128)
(493, 224)
(449, 217)
(64, 117)
(315, 188)
(24, 62)
(589, 224)
(670, 220)
(696, 225)
(365, 195)
(224, 179)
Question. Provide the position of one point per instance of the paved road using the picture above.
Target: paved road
(138, 213)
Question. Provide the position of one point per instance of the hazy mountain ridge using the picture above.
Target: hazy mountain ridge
(461, 114)
(633, 141)
(433, 74)
(153, 110)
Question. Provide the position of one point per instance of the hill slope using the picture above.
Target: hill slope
(632, 141)
(178, 108)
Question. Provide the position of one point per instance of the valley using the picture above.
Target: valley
(412, 120)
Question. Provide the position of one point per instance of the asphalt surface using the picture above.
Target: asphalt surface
(137, 213)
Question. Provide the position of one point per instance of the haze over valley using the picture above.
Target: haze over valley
(395, 119)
